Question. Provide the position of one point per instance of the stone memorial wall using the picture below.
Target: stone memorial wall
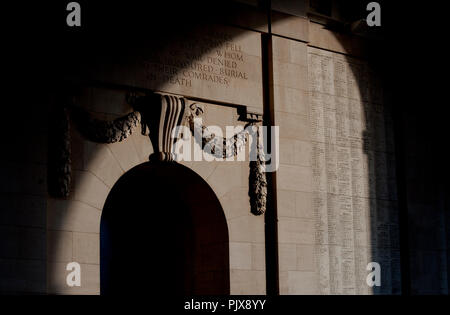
(218, 63)
(353, 182)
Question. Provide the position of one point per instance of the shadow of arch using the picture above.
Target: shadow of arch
(163, 227)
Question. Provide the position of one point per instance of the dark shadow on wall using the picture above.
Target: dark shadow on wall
(417, 94)
(414, 180)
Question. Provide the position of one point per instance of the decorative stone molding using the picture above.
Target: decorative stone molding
(158, 115)
(224, 148)
(257, 183)
(218, 146)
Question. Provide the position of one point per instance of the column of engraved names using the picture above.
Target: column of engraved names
(332, 182)
(350, 166)
(354, 174)
(345, 179)
(319, 180)
(374, 145)
(360, 172)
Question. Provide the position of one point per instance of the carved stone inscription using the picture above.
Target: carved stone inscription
(194, 61)
(216, 63)
(353, 176)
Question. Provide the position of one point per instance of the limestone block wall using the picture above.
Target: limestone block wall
(336, 185)
(428, 209)
(23, 199)
(74, 224)
(23, 229)
(296, 225)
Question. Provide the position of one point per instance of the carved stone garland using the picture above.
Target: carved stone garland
(158, 114)
(224, 148)
(257, 186)
(218, 146)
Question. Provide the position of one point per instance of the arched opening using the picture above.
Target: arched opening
(163, 230)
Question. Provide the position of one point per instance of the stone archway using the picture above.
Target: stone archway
(163, 227)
